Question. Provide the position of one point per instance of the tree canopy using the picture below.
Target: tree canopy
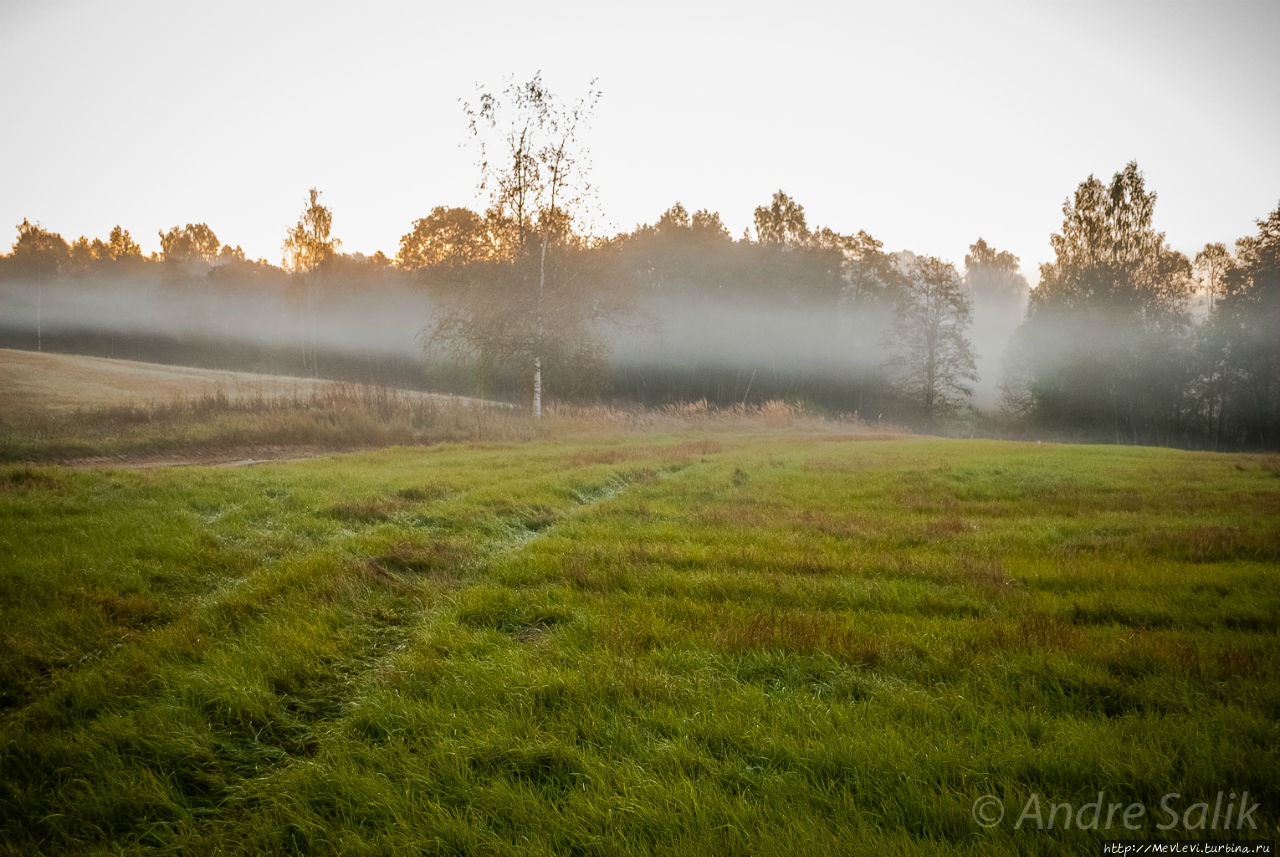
(534, 167)
(929, 356)
(309, 244)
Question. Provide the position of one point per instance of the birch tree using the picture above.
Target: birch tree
(307, 246)
(1210, 267)
(534, 170)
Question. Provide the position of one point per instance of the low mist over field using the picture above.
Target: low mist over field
(998, 239)
(235, 314)
(1123, 340)
(673, 331)
(661, 333)
(639, 430)
(965, 221)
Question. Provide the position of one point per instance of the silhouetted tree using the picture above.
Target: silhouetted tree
(534, 166)
(449, 237)
(1106, 340)
(781, 223)
(674, 218)
(708, 226)
(307, 246)
(1211, 267)
(229, 255)
(195, 242)
(121, 246)
(930, 358)
(1241, 341)
(309, 243)
(38, 255)
(99, 255)
(992, 278)
(872, 279)
(1109, 255)
(85, 254)
(999, 293)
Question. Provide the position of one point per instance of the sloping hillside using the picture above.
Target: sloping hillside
(64, 382)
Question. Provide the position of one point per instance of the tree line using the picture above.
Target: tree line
(1123, 340)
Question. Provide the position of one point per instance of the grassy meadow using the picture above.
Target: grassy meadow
(690, 631)
(733, 641)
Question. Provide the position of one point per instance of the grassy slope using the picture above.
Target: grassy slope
(738, 643)
(64, 383)
(67, 408)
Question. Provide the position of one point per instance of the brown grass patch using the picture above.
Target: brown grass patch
(737, 517)
(365, 510)
(612, 455)
(643, 476)
(422, 494)
(440, 561)
(1045, 631)
(132, 609)
(809, 567)
(27, 477)
(617, 455)
(596, 574)
(694, 449)
(531, 634)
(868, 435)
(1216, 544)
(926, 498)
(632, 634)
(945, 526)
(802, 633)
(985, 572)
(1237, 662)
(1186, 657)
(1207, 543)
(820, 521)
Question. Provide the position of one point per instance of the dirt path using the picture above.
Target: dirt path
(234, 458)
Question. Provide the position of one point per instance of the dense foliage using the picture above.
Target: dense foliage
(1123, 340)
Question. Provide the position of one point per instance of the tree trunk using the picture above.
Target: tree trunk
(311, 327)
(537, 360)
(537, 388)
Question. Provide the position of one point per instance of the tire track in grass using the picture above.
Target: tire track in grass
(239, 596)
(168, 681)
(235, 594)
(520, 536)
(255, 794)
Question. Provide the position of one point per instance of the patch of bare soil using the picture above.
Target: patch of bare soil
(198, 458)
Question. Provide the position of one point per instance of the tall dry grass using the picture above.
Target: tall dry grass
(342, 416)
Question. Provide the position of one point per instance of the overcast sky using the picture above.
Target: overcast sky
(926, 124)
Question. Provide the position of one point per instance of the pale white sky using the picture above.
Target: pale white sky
(927, 124)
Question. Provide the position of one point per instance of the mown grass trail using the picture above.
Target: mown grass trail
(736, 643)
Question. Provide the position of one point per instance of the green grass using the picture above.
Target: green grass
(708, 642)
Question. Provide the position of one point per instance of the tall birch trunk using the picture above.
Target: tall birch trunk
(537, 388)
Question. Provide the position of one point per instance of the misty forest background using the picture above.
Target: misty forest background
(1124, 340)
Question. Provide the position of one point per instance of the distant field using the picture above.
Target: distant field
(92, 411)
(770, 641)
(67, 382)
(76, 409)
